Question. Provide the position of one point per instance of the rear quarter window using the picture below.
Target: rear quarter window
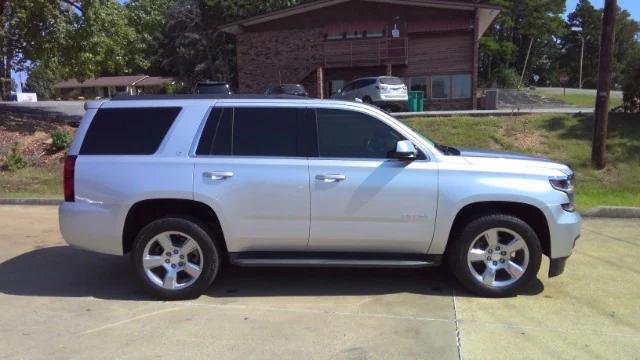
(391, 81)
(128, 131)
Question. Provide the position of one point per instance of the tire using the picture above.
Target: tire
(367, 100)
(481, 257)
(171, 271)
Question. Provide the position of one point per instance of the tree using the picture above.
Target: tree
(588, 20)
(147, 18)
(631, 91)
(80, 39)
(626, 47)
(192, 46)
(522, 22)
(41, 79)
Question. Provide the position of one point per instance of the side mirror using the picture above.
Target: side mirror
(404, 151)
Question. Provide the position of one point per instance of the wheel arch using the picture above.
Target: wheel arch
(528, 213)
(145, 211)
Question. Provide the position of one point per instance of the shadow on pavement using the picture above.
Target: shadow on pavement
(63, 271)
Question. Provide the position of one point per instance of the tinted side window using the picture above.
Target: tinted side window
(349, 134)
(349, 87)
(216, 135)
(265, 132)
(369, 82)
(128, 131)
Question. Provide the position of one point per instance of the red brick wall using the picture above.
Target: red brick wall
(289, 50)
(274, 57)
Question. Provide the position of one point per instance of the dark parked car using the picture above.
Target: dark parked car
(213, 87)
(286, 89)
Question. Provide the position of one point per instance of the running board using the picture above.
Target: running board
(323, 259)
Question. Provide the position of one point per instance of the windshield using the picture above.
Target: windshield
(444, 149)
(417, 132)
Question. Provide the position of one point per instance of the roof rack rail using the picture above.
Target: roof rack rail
(206, 97)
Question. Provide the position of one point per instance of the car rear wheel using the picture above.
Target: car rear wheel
(495, 255)
(175, 258)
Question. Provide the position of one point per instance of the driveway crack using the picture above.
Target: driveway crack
(457, 322)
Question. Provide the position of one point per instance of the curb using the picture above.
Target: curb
(30, 201)
(619, 212)
(615, 212)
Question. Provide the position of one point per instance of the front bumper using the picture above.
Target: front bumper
(556, 267)
(564, 231)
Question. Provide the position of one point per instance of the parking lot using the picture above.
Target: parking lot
(59, 302)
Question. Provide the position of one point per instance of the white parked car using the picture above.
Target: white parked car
(184, 183)
(386, 92)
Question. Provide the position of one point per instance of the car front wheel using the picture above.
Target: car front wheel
(496, 255)
(175, 258)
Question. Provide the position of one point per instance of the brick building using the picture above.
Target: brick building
(431, 44)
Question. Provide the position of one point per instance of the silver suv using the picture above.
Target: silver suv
(185, 184)
(386, 92)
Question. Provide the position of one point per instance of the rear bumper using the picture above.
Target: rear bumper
(90, 227)
(400, 104)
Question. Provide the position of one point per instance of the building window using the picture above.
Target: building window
(373, 34)
(419, 83)
(440, 87)
(354, 35)
(334, 86)
(461, 86)
(333, 37)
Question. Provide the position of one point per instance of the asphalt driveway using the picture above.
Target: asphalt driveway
(59, 302)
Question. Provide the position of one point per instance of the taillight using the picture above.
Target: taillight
(69, 170)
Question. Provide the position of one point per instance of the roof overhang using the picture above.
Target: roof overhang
(487, 13)
(485, 19)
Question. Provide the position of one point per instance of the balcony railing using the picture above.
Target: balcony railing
(369, 52)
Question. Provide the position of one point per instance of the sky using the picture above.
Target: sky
(632, 6)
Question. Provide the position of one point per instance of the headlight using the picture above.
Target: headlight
(568, 186)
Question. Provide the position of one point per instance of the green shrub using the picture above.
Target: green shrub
(631, 92)
(507, 78)
(60, 140)
(14, 160)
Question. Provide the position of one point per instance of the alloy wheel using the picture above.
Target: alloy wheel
(498, 257)
(172, 260)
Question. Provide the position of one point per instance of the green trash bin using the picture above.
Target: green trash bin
(420, 100)
(416, 101)
(412, 105)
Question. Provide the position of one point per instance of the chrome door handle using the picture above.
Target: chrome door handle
(217, 175)
(330, 178)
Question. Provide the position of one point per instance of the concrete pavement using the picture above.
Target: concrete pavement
(570, 91)
(59, 302)
(71, 111)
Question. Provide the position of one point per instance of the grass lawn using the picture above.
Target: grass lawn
(581, 100)
(32, 182)
(559, 136)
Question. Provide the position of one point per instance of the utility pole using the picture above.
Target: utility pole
(599, 149)
(526, 60)
(581, 59)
